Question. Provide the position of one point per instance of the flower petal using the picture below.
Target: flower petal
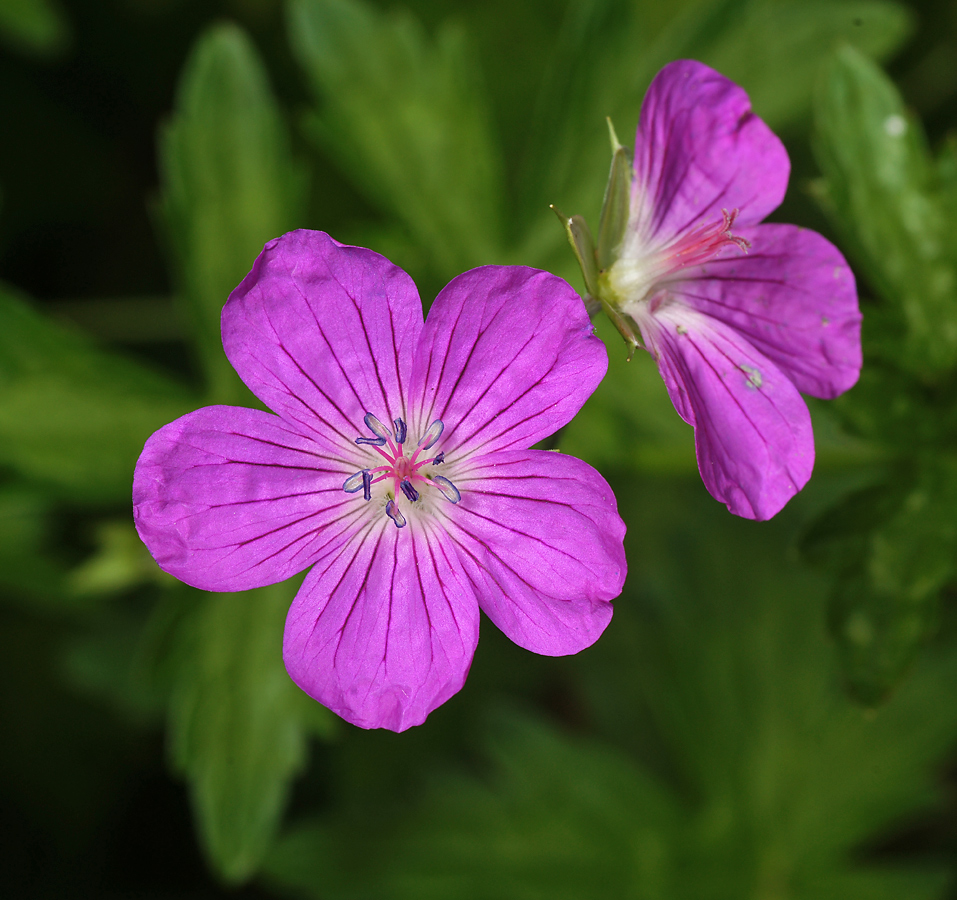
(324, 333)
(228, 499)
(383, 630)
(699, 149)
(540, 537)
(508, 356)
(753, 433)
(793, 297)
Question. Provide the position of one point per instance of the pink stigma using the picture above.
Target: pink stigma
(704, 243)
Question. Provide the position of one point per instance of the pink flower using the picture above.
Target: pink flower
(739, 316)
(398, 468)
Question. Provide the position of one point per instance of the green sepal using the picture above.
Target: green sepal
(583, 245)
(616, 204)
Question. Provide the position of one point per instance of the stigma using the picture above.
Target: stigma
(406, 476)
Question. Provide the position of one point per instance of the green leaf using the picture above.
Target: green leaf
(405, 117)
(236, 725)
(724, 632)
(72, 416)
(34, 25)
(229, 185)
(881, 191)
(892, 548)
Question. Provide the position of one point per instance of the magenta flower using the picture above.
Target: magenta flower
(739, 316)
(398, 468)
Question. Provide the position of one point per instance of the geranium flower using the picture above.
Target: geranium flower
(397, 467)
(739, 316)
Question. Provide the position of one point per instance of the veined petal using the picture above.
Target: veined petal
(508, 355)
(383, 631)
(228, 499)
(700, 149)
(753, 433)
(541, 540)
(323, 333)
(793, 296)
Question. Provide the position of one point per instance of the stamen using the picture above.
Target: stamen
(432, 435)
(439, 459)
(375, 442)
(354, 483)
(392, 511)
(366, 484)
(376, 427)
(400, 431)
(408, 490)
(449, 490)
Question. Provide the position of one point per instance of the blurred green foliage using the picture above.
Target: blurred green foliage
(230, 184)
(34, 26)
(891, 546)
(763, 780)
(704, 748)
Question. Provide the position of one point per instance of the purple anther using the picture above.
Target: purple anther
(366, 484)
(375, 442)
(439, 459)
(432, 435)
(408, 490)
(449, 490)
(354, 482)
(376, 427)
(400, 431)
(392, 511)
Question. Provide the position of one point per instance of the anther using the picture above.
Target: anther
(376, 427)
(449, 490)
(439, 459)
(432, 435)
(400, 431)
(366, 484)
(408, 490)
(392, 511)
(375, 442)
(354, 483)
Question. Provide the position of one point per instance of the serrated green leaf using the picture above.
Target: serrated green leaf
(235, 724)
(73, 416)
(229, 185)
(34, 25)
(892, 547)
(405, 118)
(881, 192)
(727, 634)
